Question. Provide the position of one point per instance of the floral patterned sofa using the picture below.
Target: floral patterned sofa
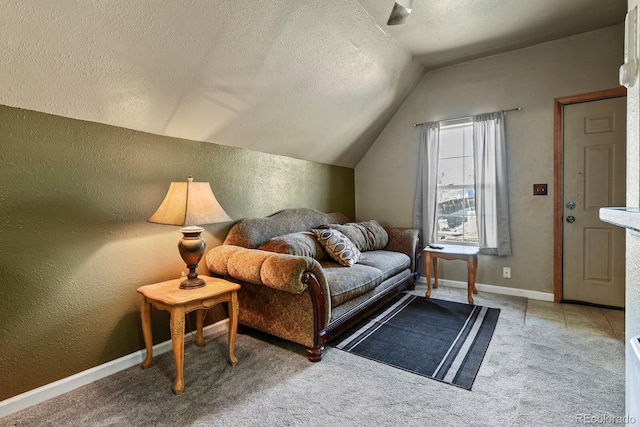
(295, 288)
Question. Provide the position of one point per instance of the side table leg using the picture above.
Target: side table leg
(427, 267)
(435, 272)
(234, 310)
(199, 326)
(472, 270)
(145, 316)
(177, 339)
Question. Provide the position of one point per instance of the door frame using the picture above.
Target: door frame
(558, 179)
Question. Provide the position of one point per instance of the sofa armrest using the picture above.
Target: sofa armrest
(278, 271)
(405, 240)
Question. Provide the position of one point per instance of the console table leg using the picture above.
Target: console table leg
(145, 316)
(472, 267)
(427, 267)
(177, 339)
(435, 272)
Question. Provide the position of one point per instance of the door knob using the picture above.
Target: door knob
(571, 219)
(571, 205)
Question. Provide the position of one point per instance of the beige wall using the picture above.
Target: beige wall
(529, 78)
(75, 244)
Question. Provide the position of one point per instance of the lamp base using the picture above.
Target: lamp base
(191, 248)
(192, 283)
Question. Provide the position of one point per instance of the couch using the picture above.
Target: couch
(295, 288)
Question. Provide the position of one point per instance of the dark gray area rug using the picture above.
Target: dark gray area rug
(443, 340)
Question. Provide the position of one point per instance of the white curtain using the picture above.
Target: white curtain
(491, 191)
(424, 208)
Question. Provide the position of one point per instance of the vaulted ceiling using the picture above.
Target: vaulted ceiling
(314, 79)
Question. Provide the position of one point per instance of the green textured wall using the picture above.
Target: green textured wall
(75, 244)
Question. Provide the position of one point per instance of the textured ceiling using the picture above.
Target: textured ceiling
(314, 79)
(445, 32)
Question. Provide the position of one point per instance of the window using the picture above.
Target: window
(456, 211)
(449, 206)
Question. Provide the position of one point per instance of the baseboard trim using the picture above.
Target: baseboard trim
(503, 290)
(57, 388)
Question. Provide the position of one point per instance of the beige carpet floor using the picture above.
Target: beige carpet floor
(535, 373)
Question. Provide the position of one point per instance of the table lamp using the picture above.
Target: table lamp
(190, 204)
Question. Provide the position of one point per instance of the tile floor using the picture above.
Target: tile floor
(575, 317)
(599, 321)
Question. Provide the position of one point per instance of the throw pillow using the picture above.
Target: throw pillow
(366, 235)
(338, 246)
(300, 244)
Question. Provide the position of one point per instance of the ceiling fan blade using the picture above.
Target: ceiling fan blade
(399, 14)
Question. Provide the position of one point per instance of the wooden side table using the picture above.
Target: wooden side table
(453, 252)
(169, 297)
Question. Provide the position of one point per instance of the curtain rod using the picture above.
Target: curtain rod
(457, 118)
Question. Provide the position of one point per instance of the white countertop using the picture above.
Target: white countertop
(622, 217)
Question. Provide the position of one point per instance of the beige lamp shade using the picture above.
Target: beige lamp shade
(189, 203)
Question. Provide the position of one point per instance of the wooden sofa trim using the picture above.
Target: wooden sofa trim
(314, 354)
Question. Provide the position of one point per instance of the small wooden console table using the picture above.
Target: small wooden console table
(169, 297)
(452, 252)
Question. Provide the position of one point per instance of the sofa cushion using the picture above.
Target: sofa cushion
(252, 232)
(388, 262)
(338, 246)
(367, 235)
(348, 283)
(300, 244)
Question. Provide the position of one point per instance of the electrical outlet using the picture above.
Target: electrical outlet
(506, 272)
(539, 189)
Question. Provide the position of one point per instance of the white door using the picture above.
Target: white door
(593, 261)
